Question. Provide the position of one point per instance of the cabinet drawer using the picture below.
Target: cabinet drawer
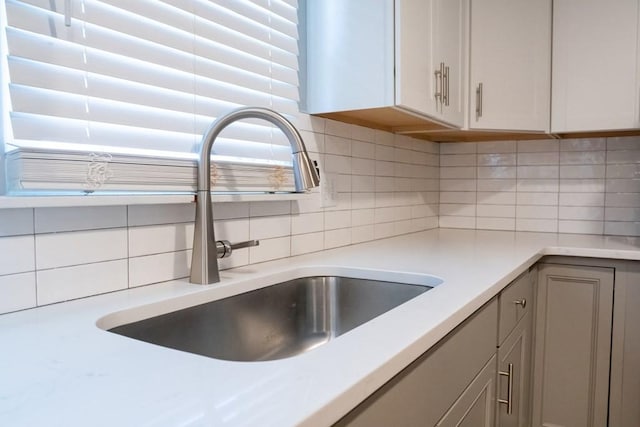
(515, 300)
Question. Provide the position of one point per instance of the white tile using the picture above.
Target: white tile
(582, 185)
(269, 227)
(458, 185)
(406, 156)
(464, 172)
(80, 247)
(538, 145)
(426, 146)
(16, 222)
(270, 249)
(342, 183)
(337, 219)
(582, 172)
(538, 172)
(307, 205)
(363, 166)
(629, 171)
(497, 172)
(620, 157)
(622, 200)
(313, 141)
(537, 212)
(384, 200)
(384, 184)
(157, 268)
(582, 199)
(154, 239)
(457, 222)
(164, 214)
(497, 159)
(623, 143)
(585, 144)
(310, 123)
(385, 168)
(362, 184)
(363, 150)
(385, 153)
(497, 198)
(337, 238)
(538, 185)
(363, 200)
(333, 127)
(337, 145)
(458, 148)
(422, 211)
(535, 159)
(343, 202)
(53, 220)
(257, 209)
(622, 228)
(384, 138)
(306, 243)
(239, 258)
(622, 214)
(508, 224)
(581, 227)
(623, 185)
(363, 233)
(337, 164)
(497, 147)
(62, 284)
(361, 217)
(233, 230)
(362, 133)
(403, 185)
(458, 160)
(17, 254)
(496, 211)
(230, 210)
(543, 199)
(581, 213)
(496, 185)
(458, 197)
(17, 292)
(541, 225)
(392, 214)
(422, 224)
(457, 210)
(384, 230)
(307, 223)
(403, 227)
(582, 157)
(403, 142)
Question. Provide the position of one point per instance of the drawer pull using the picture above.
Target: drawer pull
(522, 302)
(509, 400)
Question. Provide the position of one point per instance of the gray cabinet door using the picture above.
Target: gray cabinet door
(514, 379)
(573, 346)
(476, 406)
(624, 394)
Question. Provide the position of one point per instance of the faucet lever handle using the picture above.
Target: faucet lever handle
(225, 248)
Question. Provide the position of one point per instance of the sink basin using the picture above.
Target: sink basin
(275, 322)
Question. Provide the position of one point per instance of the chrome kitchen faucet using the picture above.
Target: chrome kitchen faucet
(206, 250)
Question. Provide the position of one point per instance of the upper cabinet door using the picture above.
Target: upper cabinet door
(595, 65)
(510, 65)
(431, 58)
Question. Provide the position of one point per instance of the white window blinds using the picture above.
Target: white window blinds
(119, 99)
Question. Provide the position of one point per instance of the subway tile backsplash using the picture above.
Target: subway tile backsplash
(386, 185)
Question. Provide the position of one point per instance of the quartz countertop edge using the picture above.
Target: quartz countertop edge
(58, 368)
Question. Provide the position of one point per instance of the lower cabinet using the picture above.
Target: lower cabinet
(573, 344)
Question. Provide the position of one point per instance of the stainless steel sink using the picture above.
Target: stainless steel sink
(274, 322)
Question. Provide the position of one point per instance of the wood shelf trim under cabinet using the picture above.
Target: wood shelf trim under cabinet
(396, 120)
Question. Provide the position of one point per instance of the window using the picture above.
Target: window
(115, 95)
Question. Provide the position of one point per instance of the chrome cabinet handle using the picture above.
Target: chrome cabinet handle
(522, 302)
(439, 86)
(446, 85)
(509, 400)
(479, 101)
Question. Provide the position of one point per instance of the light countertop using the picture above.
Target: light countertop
(57, 368)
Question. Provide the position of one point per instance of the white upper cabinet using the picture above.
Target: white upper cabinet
(595, 65)
(510, 65)
(377, 60)
(431, 58)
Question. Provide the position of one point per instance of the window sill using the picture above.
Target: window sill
(15, 202)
